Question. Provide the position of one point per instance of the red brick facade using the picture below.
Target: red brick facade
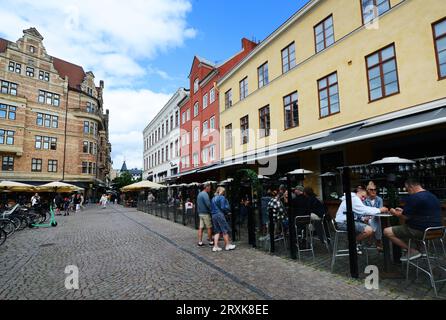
(205, 151)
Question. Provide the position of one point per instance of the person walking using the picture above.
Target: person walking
(82, 200)
(204, 214)
(220, 207)
(103, 201)
(58, 201)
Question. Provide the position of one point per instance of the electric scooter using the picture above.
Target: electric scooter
(52, 222)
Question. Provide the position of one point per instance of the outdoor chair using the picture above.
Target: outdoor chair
(304, 235)
(279, 236)
(338, 253)
(432, 259)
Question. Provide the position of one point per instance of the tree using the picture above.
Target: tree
(125, 179)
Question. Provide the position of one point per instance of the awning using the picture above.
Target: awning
(356, 132)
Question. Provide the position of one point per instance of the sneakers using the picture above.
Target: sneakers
(211, 243)
(359, 250)
(216, 249)
(200, 244)
(230, 247)
(413, 256)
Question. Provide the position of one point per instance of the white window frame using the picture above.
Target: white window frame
(196, 134)
(196, 85)
(212, 123)
(205, 101)
(196, 109)
(212, 96)
(205, 128)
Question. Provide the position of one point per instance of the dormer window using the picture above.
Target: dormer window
(196, 85)
(32, 49)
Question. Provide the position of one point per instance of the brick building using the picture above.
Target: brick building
(200, 137)
(52, 122)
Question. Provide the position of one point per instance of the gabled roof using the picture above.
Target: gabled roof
(75, 73)
(33, 32)
(204, 61)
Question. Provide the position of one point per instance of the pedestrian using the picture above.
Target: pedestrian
(189, 206)
(66, 206)
(82, 202)
(204, 214)
(103, 201)
(220, 207)
(35, 200)
(58, 201)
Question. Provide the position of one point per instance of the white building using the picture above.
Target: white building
(162, 141)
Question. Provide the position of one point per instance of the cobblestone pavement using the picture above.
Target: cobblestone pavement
(125, 254)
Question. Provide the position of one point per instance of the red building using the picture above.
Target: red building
(199, 113)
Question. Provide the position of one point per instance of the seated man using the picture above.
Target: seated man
(363, 230)
(422, 211)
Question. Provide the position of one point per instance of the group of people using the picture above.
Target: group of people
(422, 210)
(73, 203)
(212, 214)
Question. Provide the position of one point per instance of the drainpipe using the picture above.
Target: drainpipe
(65, 133)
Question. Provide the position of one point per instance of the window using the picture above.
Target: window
(15, 67)
(52, 166)
(32, 49)
(46, 120)
(288, 58)
(36, 165)
(49, 98)
(212, 153)
(228, 99)
(183, 118)
(440, 47)
(177, 119)
(244, 88)
(171, 123)
(262, 73)
(196, 134)
(8, 164)
(372, 9)
(185, 162)
(291, 105)
(205, 101)
(84, 167)
(7, 137)
(9, 88)
(188, 115)
(30, 72)
(162, 131)
(195, 160)
(177, 148)
(228, 136)
(212, 96)
(86, 127)
(167, 153)
(7, 112)
(204, 156)
(328, 95)
(324, 34)
(244, 129)
(46, 143)
(196, 108)
(212, 123)
(91, 108)
(167, 126)
(44, 76)
(85, 148)
(265, 122)
(205, 128)
(382, 73)
(196, 84)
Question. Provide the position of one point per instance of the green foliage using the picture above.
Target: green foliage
(247, 176)
(125, 179)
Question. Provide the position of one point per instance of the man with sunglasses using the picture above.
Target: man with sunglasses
(374, 201)
(363, 230)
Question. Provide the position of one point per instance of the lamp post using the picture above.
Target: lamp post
(390, 166)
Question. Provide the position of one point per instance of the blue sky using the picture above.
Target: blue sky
(142, 49)
(220, 27)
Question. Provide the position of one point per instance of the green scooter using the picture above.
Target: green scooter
(52, 222)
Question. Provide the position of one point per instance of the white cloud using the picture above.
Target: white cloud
(114, 39)
(130, 112)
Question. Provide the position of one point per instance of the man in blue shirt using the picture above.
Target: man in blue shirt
(422, 211)
(204, 213)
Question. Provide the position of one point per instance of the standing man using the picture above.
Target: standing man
(204, 213)
(422, 211)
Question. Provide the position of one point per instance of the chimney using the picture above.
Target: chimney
(101, 84)
(247, 44)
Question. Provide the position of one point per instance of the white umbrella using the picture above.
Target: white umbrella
(143, 185)
(393, 160)
(300, 171)
(260, 177)
(13, 186)
(58, 186)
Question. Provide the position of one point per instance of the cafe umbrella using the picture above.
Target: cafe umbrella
(13, 186)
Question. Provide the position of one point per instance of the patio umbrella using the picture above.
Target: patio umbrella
(13, 186)
(300, 172)
(393, 160)
(58, 186)
(143, 185)
(227, 181)
(260, 177)
(209, 182)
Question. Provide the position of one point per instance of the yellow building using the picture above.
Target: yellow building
(342, 82)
